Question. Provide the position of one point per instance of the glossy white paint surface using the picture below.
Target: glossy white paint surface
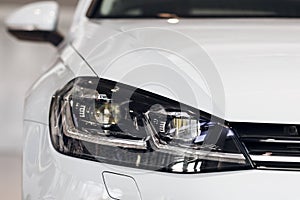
(48, 174)
(41, 16)
(68, 66)
(256, 62)
(80, 15)
(256, 59)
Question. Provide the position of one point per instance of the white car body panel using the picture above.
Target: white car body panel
(48, 174)
(68, 65)
(40, 16)
(243, 52)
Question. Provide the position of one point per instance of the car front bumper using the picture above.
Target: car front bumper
(48, 174)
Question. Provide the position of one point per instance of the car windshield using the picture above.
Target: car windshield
(193, 8)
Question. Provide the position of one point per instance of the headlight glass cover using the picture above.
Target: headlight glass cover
(114, 123)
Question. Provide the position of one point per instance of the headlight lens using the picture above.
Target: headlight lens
(114, 123)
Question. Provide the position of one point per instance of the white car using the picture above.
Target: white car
(164, 100)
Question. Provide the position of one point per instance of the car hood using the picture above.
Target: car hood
(245, 70)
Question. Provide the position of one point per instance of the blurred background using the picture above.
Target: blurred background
(21, 63)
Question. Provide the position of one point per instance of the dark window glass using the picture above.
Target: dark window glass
(193, 8)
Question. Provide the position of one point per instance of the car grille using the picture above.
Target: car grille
(271, 145)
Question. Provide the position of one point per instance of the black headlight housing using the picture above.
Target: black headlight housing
(110, 122)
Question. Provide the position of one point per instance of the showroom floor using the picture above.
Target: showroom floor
(20, 64)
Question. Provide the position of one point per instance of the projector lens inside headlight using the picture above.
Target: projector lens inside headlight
(114, 123)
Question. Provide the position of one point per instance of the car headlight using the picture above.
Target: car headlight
(114, 123)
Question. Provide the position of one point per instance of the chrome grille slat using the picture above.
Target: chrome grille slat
(271, 145)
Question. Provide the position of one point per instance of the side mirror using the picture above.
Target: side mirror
(36, 22)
